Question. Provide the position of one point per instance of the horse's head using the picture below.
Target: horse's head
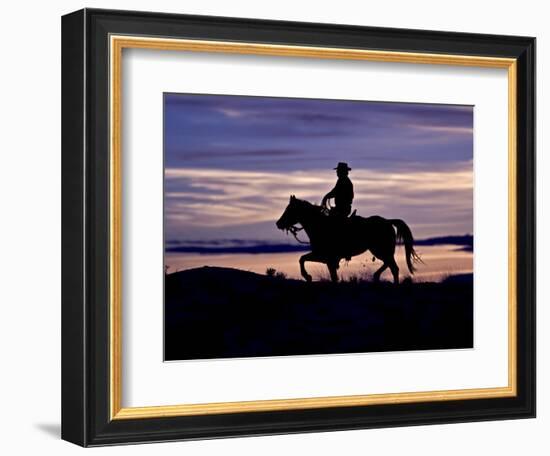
(290, 215)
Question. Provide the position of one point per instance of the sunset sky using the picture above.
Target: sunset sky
(231, 163)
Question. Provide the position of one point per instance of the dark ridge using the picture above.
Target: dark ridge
(213, 312)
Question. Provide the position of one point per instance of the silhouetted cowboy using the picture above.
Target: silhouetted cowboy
(342, 192)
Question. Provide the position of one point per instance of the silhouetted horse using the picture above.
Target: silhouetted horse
(334, 238)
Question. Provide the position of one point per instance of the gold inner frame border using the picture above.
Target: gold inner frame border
(116, 46)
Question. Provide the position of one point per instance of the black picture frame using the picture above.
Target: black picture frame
(86, 416)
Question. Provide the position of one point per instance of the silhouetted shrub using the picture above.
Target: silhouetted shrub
(272, 272)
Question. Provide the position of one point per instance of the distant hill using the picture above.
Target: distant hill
(253, 249)
(466, 241)
(213, 312)
(236, 246)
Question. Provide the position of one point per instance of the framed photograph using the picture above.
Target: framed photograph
(278, 227)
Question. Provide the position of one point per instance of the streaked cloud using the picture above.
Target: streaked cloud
(232, 113)
(232, 162)
(312, 134)
(218, 198)
(444, 129)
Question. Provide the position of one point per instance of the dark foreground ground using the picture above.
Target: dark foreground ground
(227, 313)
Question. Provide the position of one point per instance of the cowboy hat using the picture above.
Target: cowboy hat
(343, 165)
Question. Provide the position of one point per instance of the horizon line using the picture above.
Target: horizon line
(243, 246)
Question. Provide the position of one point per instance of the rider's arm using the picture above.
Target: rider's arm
(329, 195)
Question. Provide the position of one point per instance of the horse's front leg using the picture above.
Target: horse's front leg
(307, 257)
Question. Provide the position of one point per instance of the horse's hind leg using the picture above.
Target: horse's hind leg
(379, 272)
(394, 270)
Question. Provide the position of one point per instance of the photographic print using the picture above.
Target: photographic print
(314, 226)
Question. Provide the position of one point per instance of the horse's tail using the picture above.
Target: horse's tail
(405, 236)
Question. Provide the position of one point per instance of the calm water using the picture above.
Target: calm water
(439, 262)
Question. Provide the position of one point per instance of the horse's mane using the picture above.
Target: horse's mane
(313, 207)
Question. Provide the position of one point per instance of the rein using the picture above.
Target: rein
(294, 230)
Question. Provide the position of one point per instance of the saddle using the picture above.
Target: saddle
(345, 221)
(333, 213)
